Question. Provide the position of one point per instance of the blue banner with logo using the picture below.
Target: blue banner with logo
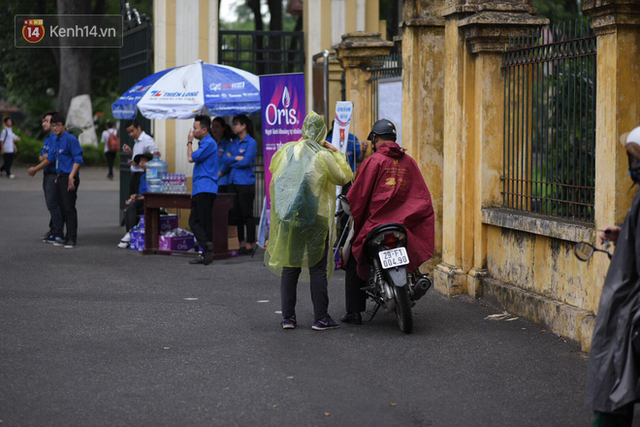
(283, 109)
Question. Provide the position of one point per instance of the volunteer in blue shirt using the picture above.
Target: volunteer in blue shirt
(219, 134)
(239, 161)
(354, 152)
(55, 233)
(205, 186)
(67, 158)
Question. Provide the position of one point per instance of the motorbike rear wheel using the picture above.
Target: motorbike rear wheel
(403, 309)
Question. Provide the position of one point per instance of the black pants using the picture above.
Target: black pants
(67, 201)
(319, 292)
(356, 299)
(56, 223)
(624, 418)
(132, 214)
(8, 160)
(201, 218)
(134, 185)
(111, 157)
(223, 189)
(242, 212)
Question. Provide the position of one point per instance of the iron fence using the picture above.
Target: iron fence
(262, 52)
(383, 67)
(135, 63)
(549, 122)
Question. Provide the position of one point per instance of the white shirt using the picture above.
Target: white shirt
(6, 138)
(144, 144)
(105, 138)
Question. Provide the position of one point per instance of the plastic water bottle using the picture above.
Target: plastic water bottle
(183, 183)
(155, 169)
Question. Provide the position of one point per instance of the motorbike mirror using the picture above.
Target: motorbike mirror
(344, 204)
(584, 251)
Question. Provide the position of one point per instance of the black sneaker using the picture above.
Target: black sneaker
(208, 254)
(354, 318)
(244, 251)
(325, 324)
(53, 239)
(70, 245)
(198, 260)
(289, 322)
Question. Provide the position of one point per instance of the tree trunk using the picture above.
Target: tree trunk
(75, 63)
(275, 9)
(254, 5)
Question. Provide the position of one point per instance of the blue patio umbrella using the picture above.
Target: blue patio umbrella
(186, 91)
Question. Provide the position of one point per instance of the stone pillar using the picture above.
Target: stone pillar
(423, 58)
(356, 51)
(476, 34)
(617, 27)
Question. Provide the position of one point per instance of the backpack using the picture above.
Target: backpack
(113, 143)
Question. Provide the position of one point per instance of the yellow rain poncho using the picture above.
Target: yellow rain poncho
(303, 196)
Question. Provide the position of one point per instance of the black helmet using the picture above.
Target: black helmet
(383, 127)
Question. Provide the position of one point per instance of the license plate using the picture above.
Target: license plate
(394, 258)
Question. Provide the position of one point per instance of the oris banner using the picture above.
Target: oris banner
(283, 112)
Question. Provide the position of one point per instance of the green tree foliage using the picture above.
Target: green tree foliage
(558, 10)
(26, 74)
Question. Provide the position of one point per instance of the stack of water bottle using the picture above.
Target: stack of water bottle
(159, 181)
(174, 183)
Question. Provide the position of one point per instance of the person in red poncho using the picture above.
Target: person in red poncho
(389, 188)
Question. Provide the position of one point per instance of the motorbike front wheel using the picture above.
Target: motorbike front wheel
(403, 309)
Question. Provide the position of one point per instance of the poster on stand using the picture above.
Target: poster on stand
(283, 109)
(341, 125)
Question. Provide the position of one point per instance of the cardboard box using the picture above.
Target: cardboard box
(137, 240)
(167, 222)
(233, 244)
(176, 243)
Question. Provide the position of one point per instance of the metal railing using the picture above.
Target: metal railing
(383, 67)
(262, 52)
(549, 122)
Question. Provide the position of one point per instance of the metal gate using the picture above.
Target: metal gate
(549, 122)
(386, 86)
(136, 63)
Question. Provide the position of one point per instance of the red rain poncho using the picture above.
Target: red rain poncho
(390, 188)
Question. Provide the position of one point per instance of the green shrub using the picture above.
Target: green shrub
(28, 149)
(94, 155)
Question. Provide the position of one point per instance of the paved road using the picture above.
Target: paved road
(99, 336)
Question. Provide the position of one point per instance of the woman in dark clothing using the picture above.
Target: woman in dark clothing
(239, 163)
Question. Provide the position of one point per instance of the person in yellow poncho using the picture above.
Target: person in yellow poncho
(302, 232)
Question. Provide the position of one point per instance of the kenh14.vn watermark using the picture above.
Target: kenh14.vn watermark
(88, 31)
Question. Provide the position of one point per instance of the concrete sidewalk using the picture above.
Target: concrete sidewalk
(100, 336)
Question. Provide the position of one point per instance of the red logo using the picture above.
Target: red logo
(33, 30)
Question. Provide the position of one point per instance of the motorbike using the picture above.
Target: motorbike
(390, 286)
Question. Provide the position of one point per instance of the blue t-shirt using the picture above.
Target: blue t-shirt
(241, 173)
(222, 149)
(143, 187)
(205, 169)
(49, 148)
(353, 140)
(67, 153)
